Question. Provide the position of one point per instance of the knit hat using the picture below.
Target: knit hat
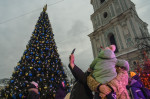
(132, 74)
(123, 63)
(33, 85)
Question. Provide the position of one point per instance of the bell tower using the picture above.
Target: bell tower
(117, 22)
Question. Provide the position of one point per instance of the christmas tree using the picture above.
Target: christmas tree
(40, 63)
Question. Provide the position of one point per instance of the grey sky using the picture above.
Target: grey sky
(70, 20)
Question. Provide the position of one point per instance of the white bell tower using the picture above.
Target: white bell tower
(117, 22)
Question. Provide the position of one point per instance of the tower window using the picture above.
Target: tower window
(113, 41)
(105, 14)
(102, 1)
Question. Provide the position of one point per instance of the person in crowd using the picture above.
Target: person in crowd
(61, 92)
(33, 91)
(103, 67)
(136, 87)
(117, 85)
(80, 89)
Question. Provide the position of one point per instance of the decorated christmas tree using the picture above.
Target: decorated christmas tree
(40, 63)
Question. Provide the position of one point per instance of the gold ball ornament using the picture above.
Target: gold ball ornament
(27, 85)
(37, 47)
(45, 87)
(18, 63)
(26, 74)
(36, 58)
(40, 89)
(31, 67)
(60, 75)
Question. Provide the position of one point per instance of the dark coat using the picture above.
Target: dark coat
(61, 92)
(33, 94)
(80, 89)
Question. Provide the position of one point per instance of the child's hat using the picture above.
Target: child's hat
(132, 74)
(123, 63)
(33, 85)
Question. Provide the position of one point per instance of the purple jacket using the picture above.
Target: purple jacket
(136, 91)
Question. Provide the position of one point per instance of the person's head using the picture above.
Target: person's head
(123, 64)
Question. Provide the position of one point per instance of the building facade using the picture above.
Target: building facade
(117, 22)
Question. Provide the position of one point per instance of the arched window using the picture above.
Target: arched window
(113, 41)
(102, 1)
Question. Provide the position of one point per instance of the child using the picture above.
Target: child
(104, 65)
(118, 84)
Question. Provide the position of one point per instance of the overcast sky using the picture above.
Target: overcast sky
(70, 20)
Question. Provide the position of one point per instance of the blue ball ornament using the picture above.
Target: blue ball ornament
(18, 67)
(32, 60)
(20, 95)
(25, 52)
(27, 57)
(24, 84)
(41, 52)
(40, 79)
(37, 41)
(30, 74)
(52, 79)
(39, 69)
(23, 68)
(52, 69)
(14, 97)
(12, 81)
(46, 48)
(43, 34)
(31, 53)
(46, 41)
(20, 73)
(39, 62)
(57, 71)
(51, 86)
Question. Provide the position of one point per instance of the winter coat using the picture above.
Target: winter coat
(80, 89)
(135, 88)
(118, 84)
(61, 92)
(33, 94)
(104, 66)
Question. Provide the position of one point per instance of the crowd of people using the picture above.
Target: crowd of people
(106, 78)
